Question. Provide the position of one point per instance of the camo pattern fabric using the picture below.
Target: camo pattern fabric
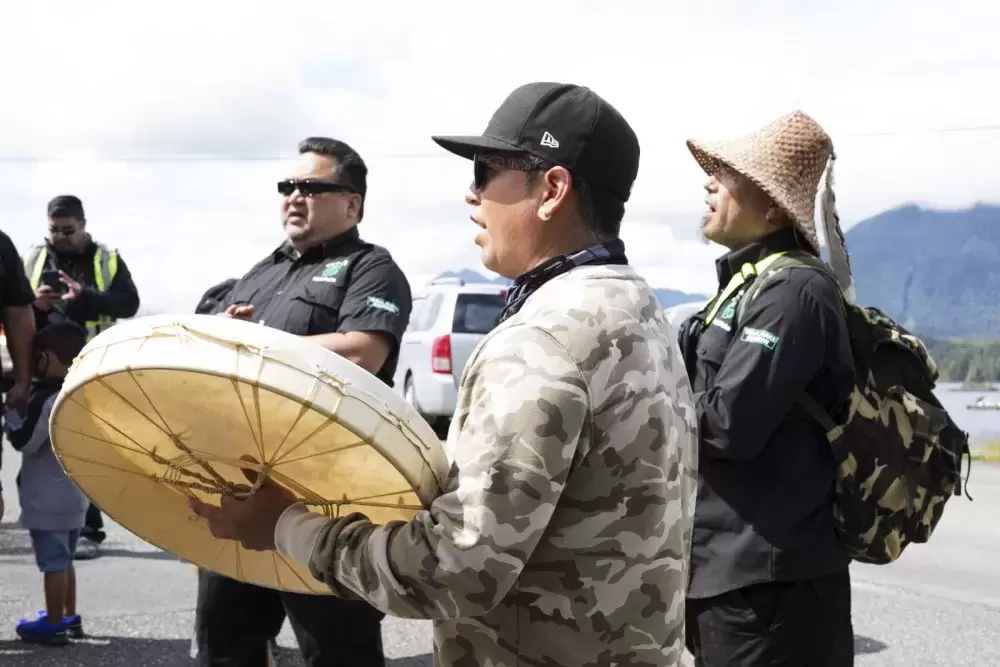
(563, 536)
(899, 453)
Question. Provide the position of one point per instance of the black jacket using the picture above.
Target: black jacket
(214, 296)
(120, 300)
(764, 508)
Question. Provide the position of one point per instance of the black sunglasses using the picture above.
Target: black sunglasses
(62, 231)
(485, 167)
(310, 188)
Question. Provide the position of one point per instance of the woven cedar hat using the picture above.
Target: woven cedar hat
(786, 159)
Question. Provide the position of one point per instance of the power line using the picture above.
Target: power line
(940, 130)
(32, 159)
(203, 158)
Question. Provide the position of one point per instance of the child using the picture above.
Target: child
(52, 507)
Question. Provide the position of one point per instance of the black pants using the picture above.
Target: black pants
(234, 622)
(93, 525)
(802, 623)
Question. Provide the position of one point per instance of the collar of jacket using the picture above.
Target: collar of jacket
(609, 252)
(328, 248)
(729, 264)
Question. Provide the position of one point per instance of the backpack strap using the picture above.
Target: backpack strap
(748, 272)
(793, 258)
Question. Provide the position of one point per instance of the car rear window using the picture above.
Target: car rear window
(477, 313)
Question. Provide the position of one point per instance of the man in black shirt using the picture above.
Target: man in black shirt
(326, 284)
(19, 330)
(770, 583)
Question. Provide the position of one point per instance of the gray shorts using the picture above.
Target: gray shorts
(54, 549)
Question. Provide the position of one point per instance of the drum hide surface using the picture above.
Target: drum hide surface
(164, 408)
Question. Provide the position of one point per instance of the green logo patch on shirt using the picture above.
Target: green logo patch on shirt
(382, 304)
(333, 268)
(331, 271)
(729, 311)
(759, 337)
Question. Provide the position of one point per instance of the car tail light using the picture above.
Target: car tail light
(441, 355)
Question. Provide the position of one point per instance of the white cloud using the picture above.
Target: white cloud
(112, 80)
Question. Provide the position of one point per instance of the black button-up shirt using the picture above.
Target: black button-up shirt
(342, 285)
(764, 508)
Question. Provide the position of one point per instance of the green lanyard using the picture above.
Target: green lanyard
(746, 271)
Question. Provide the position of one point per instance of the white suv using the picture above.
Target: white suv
(448, 320)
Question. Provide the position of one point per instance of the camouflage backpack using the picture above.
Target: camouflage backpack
(898, 454)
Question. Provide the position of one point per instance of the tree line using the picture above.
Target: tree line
(966, 360)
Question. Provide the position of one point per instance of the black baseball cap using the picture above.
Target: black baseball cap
(565, 124)
(66, 206)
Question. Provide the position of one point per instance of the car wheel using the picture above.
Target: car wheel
(410, 393)
(410, 396)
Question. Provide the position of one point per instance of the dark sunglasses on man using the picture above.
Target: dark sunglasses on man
(310, 188)
(485, 166)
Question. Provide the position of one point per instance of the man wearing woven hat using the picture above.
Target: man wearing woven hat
(562, 533)
(769, 582)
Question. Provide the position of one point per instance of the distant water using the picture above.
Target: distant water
(981, 425)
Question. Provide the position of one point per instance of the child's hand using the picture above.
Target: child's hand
(17, 397)
(12, 420)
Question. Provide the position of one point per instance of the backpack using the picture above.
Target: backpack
(898, 452)
(214, 296)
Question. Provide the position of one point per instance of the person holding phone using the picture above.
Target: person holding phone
(77, 279)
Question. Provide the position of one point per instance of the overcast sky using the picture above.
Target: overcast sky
(172, 121)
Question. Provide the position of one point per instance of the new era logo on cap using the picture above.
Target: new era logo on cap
(549, 140)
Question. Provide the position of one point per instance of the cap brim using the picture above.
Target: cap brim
(469, 146)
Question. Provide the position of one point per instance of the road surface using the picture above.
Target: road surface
(939, 605)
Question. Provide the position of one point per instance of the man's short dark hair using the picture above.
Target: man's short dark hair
(351, 170)
(600, 210)
(66, 206)
(63, 339)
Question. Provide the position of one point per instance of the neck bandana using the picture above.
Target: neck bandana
(612, 252)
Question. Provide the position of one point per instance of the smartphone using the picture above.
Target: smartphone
(51, 278)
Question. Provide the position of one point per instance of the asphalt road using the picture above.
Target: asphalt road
(939, 605)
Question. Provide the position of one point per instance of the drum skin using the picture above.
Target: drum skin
(163, 408)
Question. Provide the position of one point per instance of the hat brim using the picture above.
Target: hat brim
(469, 146)
(713, 155)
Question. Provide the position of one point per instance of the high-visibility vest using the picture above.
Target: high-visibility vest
(105, 269)
(736, 282)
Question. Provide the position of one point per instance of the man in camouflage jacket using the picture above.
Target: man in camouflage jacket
(562, 537)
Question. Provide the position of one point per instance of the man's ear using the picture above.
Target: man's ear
(558, 184)
(776, 215)
(354, 206)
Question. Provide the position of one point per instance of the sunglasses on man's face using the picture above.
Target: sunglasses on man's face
(62, 231)
(310, 188)
(485, 167)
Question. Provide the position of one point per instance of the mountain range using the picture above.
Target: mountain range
(936, 272)
(668, 297)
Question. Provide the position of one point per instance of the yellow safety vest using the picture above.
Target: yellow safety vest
(105, 269)
(736, 282)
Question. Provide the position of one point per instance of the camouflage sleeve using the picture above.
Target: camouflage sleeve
(524, 408)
